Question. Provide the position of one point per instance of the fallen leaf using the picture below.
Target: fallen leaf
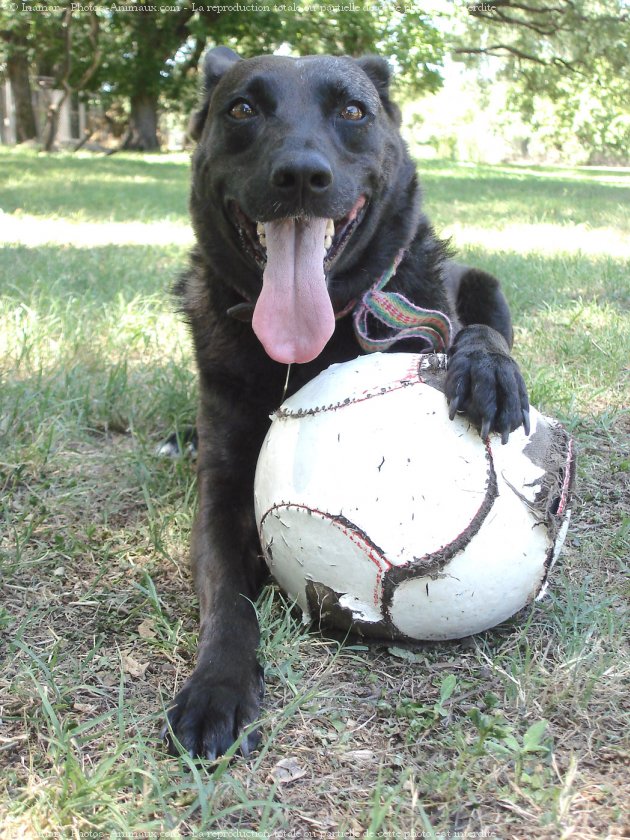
(146, 629)
(107, 678)
(132, 667)
(358, 757)
(84, 707)
(287, 770)
(407, 655)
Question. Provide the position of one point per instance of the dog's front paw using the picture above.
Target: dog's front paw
(211, 712)
(484, 382)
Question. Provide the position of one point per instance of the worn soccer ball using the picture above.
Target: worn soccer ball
(377, 513)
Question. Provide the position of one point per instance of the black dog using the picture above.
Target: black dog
(303, 198)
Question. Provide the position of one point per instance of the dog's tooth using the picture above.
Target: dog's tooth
(330, 229)
(327, 242)
(260, 230)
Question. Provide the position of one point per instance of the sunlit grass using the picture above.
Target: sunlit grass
(33, 231)
(551, 239)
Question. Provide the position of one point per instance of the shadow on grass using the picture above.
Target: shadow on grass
(52, 275)
(118, 188)
(97, 341)
(534, 282)
(126, 187)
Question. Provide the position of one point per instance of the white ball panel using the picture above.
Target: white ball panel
(498, 573)
(326, 551)
(382, 464)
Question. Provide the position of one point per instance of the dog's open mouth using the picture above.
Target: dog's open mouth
(293, 316)
(337, 233)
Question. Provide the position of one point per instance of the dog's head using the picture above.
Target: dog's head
(302, 187)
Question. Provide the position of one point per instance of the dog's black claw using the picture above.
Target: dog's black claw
(484, 381)
(251, 743)
(210, 755)
(453, 407)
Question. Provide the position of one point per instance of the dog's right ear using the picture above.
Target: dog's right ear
(216, 62)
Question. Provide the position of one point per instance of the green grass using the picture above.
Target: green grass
(519, 732)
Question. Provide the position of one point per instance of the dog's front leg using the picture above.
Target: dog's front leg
(483, 379)
(224, 694)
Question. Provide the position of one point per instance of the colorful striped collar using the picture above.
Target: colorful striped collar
(401, 318)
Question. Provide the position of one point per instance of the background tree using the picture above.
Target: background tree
(51, 44)
(564, 61)
(137, 54)
(65, 71)
(570, 53)
(14, 35)
(150, 47)
(160, 52)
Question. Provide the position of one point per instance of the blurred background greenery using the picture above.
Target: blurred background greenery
(543, 81)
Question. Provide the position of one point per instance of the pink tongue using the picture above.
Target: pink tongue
(294, 318)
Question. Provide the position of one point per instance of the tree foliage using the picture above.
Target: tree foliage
(409, 39)
(571, 53)
(148, 54)
(566, 61)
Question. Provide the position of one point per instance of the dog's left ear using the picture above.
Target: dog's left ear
(379, 72)
(216, 62)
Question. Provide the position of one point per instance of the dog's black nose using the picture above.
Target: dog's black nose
(303, 173)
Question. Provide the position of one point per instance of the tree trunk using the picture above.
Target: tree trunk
(142, 134)
(18, 73)
(63, 80)
(52, 122)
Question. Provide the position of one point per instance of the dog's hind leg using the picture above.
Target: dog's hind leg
(181, 443)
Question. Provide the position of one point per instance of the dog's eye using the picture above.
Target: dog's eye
(352, 111)
(242, 110)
